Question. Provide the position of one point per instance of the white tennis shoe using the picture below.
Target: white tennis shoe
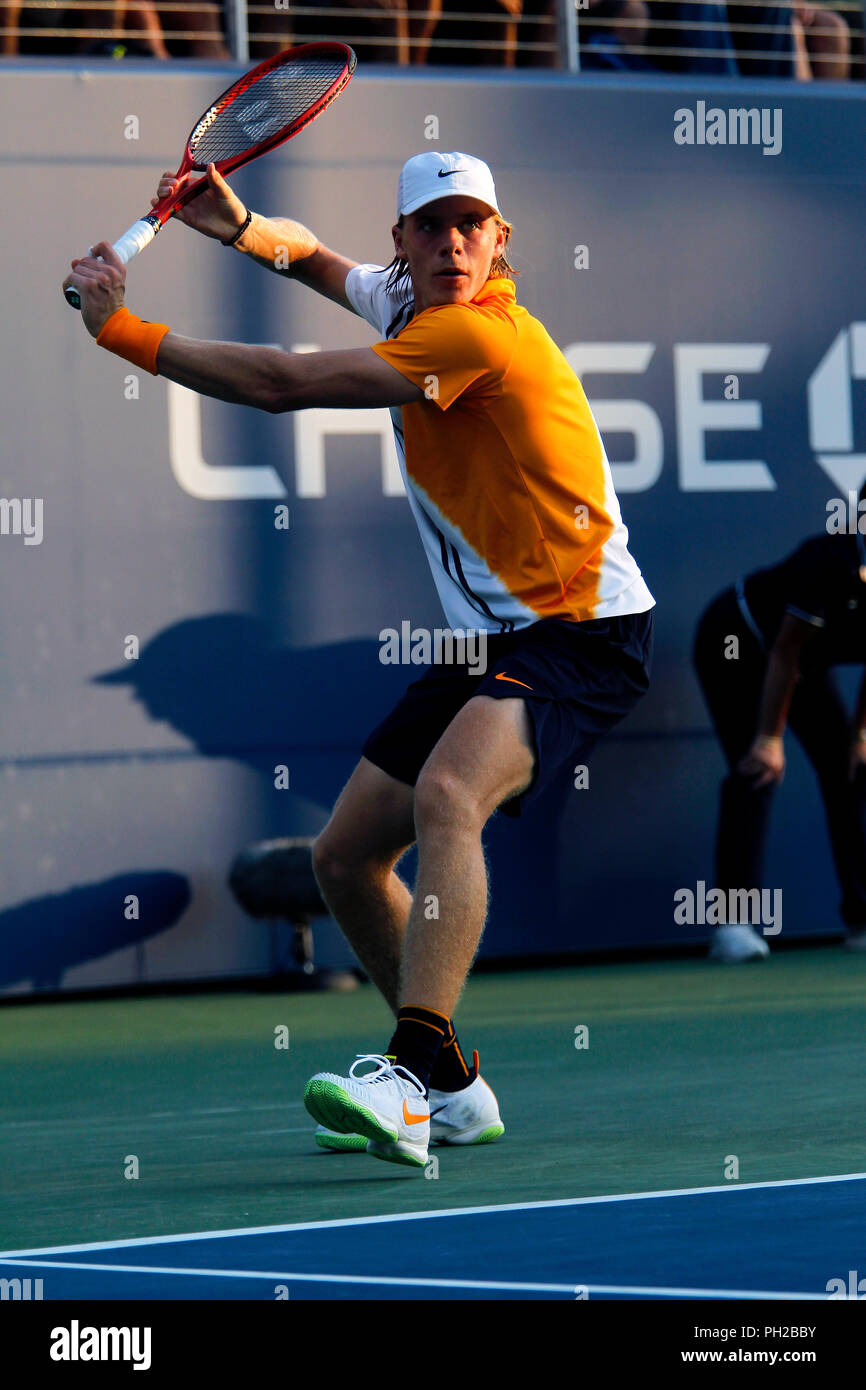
(386, 1105)
(470, 1116)
(735, 942)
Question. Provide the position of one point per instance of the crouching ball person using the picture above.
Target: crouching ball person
(794, 622)
(511, 490)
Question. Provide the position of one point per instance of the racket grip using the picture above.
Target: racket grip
(140, 234)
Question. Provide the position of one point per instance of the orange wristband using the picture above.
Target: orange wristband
(133, 338)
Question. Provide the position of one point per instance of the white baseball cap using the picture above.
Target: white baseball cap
(428, 177)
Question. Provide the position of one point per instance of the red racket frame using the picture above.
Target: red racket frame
(164, 209)
(143, 231)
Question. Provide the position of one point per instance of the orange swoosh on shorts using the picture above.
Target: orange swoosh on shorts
(500, 677)
(413, 1119)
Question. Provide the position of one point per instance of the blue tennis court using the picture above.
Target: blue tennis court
(775, 1240)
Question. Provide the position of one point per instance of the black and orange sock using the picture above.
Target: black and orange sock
(452, 1072)
(417, 1040)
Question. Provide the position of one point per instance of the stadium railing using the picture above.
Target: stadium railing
(699, 37)
(391, 32)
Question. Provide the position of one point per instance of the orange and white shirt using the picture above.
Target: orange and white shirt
(503, 464)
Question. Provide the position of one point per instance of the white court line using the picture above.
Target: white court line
(338, 1222)
(249, 1133)
(499, 1286)
(152, 1115)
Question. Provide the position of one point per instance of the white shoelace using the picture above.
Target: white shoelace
(385, 1071)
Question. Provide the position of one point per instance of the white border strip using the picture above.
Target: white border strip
(339, 1222)
(497, 1286)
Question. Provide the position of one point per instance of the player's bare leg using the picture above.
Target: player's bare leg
(484, 756)
(371, 826)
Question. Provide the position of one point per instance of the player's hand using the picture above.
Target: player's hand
(218, 212)
(764, 762)
(857, 755)
(100, 279)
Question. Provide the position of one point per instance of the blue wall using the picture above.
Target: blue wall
(259, 646)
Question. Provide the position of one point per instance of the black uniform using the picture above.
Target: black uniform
(823, 583)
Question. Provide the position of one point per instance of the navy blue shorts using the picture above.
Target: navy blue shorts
(578, 680)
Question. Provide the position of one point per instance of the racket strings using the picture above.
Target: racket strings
(261, 109)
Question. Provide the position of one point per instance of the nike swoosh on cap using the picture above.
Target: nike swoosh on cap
(446, 173)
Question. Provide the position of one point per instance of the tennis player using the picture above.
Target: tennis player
(510, 487)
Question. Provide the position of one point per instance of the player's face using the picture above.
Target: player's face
(450, 246)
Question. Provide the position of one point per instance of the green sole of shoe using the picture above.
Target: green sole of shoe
(342, 1143)
(391, 1155)
(332, 1107)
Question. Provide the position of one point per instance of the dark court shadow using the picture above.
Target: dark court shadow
(44, 937)
(220, 682)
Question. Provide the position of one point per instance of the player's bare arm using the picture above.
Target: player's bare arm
(277, 381)
(264, 377)
(276, 243)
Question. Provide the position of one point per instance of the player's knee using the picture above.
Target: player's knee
(340, 860)
(331, 864)
(442, 797)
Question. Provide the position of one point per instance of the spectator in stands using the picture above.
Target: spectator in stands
(476, 33)
(380, 38)
(202, 24)
(827, 41)
(768, 41)
(614, 34)
(132, 28)
(764, 654)
(794, 41)
(693, 36)
(538, 38)
(45, 30)
(719, 40)
(14, 16)
(788, 40)
(136, 28)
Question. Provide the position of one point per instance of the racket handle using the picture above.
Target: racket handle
(140, 234)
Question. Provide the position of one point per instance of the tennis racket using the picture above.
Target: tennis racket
(268, 105)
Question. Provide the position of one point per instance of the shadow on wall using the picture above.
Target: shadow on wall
(220, 682)
(43, 938)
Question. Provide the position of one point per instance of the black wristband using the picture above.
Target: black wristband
(240, 231)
